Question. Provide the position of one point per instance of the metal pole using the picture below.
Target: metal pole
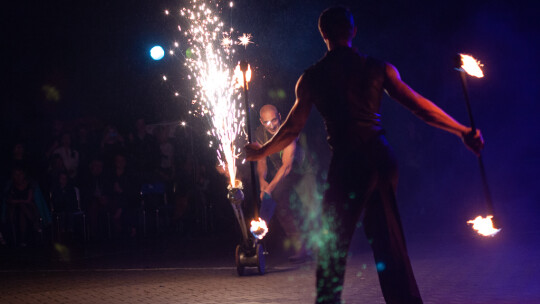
(244, 68)
(487, 192)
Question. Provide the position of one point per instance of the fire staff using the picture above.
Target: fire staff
(346, 87)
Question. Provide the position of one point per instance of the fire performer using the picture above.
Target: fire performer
(278, 175)
(346, 87)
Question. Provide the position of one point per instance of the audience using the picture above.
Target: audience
(110, 173)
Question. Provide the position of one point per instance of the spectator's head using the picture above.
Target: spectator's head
(336, 25)
(120, 162)
(63, 179)
(18, 175)
(140, 126)
(18, 151)
(83, 134)
(270, 118)
(66, 140)
(161, 133)
(96, 167)
(57, 164)
(111, 134)
(58, 126)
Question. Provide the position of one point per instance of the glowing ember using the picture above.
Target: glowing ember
(471, 66)
(226, 42)
(258, 228)
(216, 89)
(244, 40)
(484, 226)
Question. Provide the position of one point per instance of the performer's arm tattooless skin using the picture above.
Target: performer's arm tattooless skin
(261, 172)
(428, 111)
(287, 162)
(290, 129)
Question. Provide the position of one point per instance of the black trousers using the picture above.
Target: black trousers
(363, 181)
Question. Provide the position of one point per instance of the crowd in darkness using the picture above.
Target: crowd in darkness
(94, 169)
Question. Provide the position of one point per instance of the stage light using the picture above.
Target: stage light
(157, 52)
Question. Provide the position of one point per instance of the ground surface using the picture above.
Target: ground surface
(449, 269)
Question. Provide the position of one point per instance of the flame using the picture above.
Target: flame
(258, 228)
(471, 66)
(484, 226)
(239, 76)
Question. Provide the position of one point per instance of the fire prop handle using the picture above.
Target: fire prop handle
(244, 67)
(460, 67)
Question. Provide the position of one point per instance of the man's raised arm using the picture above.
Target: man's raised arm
(428, 111)
(289, 130)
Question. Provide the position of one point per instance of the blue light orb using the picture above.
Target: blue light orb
(157, 52)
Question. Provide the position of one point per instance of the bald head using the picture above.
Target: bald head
(270, 118)
(268, 108)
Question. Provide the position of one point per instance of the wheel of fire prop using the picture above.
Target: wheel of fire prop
(255, 258)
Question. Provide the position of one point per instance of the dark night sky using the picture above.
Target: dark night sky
(96, 54)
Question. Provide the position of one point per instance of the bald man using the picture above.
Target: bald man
(277, 179)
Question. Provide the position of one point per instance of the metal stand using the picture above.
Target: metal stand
(250, 253)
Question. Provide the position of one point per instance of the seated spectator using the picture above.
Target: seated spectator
(111, 144)
(166, 167)
(145, 154)
(20, 208)
(56, 167)
(87, 147)
(19, 158)
(69, 156)
(64, 202)
(94, 198)
(121, 190)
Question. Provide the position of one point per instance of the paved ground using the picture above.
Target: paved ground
(449, 269)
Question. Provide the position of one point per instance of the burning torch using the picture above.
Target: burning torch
(258, 227)
(467, 65)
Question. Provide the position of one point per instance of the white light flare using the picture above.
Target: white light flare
(484, 226)
(216, 93)
(471, 66)
(258, 228)
(244, 40)
(226, 42)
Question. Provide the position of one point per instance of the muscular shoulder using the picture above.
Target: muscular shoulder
(260, 135)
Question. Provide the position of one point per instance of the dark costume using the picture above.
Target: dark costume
(347, 89)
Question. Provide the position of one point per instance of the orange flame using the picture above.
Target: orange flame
(471, 66)
(258, 228)
(239, 76)
(484, 226)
